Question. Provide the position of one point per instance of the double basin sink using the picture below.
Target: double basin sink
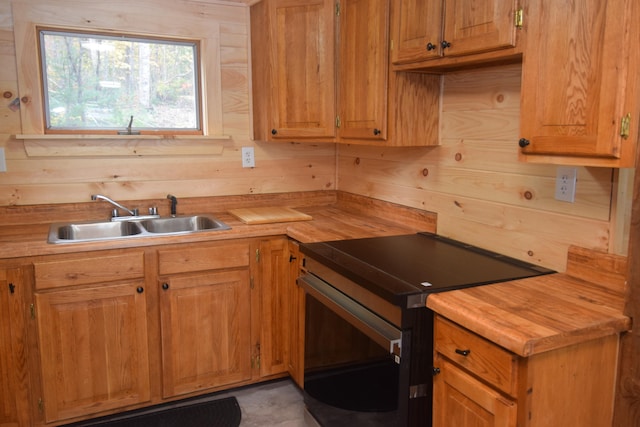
(107, 230)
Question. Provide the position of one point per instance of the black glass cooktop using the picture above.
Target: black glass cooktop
(396, 266)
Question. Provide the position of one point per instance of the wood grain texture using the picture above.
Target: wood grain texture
(535, 315)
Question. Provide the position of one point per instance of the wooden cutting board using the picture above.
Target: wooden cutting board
(269, 214)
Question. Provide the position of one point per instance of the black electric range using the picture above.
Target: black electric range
(370, 294)
(397, 267)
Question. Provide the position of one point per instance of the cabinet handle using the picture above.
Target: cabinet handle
(139, 289)
(376, 132)
(445, 44)
(274, 131)
(165, 286)
(431, 46)
(464, 353)
(523, 142)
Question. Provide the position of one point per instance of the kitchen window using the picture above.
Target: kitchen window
(119, 84)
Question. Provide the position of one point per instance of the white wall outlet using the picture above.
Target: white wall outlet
(3, 161)
(248, 158)
(566, 184)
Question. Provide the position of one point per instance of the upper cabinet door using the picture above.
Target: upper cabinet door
(428, 29)
(363, 68)
(293, 57)
(580, 82)
(418, 30)
(472, 26)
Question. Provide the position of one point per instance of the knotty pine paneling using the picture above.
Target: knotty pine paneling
(473, 180)
(224, 31)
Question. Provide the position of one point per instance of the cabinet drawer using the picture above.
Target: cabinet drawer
(477, 355)
(87, 270)
(201, 258)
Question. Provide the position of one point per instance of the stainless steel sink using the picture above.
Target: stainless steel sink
(106, 230)
(182, 224)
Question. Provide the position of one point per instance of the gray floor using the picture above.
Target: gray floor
(277, 403)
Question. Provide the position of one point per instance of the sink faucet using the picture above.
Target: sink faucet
(114, 203)
(174, 202)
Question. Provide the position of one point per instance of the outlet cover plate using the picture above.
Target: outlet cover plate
(566, 178)
(248, 157)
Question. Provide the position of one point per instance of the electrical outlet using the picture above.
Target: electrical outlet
(3, 161)
(248, 158)
(566, 184)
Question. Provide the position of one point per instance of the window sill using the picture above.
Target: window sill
(77, 145)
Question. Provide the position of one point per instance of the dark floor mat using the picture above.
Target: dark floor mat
(215, 413)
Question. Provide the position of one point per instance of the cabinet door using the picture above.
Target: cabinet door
(578, 74)
(14, 395)
(270, 286)
(205, 328)
(363, 68)
(472, 26)
(295, 302)
(302, 67)
(418, 30)
(93, 349)
(462, 401)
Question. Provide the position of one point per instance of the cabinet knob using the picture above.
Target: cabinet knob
(436, 371)
(139, 289)
(165, 286)
(274, 131)
(464, 353)
(445, 44)
(376, 132)
(523, 142)
(431, 46)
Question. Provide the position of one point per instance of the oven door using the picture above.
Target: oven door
(353, 360)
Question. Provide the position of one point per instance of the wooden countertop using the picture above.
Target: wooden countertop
(526, 316)
(335, 215)
(542, 313)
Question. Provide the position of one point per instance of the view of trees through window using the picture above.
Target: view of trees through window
(97, 82)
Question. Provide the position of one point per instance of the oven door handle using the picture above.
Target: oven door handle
(369, 323)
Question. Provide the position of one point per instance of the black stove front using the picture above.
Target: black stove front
(368, 333)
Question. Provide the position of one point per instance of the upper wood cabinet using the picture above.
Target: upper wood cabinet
(428, 29)
(293, 69)
(580, 97)
(321, 74)
(362, 69)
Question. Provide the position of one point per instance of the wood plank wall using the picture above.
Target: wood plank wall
(482, 194)
(473, 180)
(33, 178)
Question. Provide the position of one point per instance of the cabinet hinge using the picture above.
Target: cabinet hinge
(32, 310)
(518, 18)
(257, 255)
(12, 288)
(337, 8)
(338, 122)
(40, 405)
(251, 286)
(625, 126)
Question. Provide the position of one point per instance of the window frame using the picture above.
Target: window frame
(198, 82)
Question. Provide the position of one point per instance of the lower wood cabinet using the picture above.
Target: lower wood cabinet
(116, 330)
(93, 349)
(296, 318)
(14, 396)
(205, 331)
(478, 383)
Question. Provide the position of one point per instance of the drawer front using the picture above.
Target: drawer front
(184, 260)
(96, 268)
(477, 355)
